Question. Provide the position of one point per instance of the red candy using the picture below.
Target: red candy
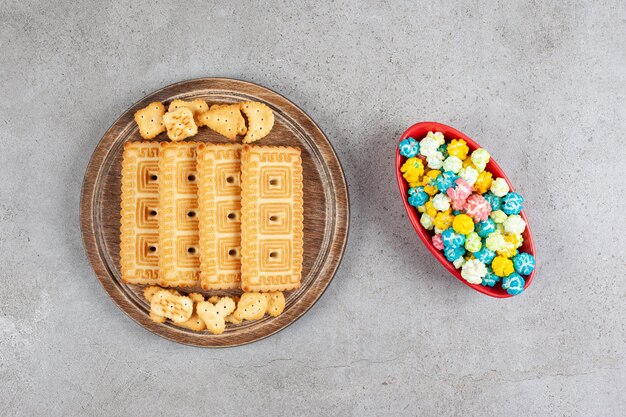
(459, 194)
(478, 208)
(438, 241)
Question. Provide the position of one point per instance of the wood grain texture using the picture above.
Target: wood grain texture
(326, 207)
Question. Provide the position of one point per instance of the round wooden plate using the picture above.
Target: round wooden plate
(326, 207)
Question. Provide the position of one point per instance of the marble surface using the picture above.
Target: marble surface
(542, 85)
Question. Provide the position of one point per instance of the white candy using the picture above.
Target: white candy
(459, 262)
(427, 221)
(441, 202)
(474, 271)
(499, 187)
(514, 224)
(452, 163)
(469, 174)
(435, 160)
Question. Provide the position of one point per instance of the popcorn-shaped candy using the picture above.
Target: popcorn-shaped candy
(477, 207)
(412, 169)
(436, 229)
(431, 190)
(512, 203)
(452, 254)
(459, 194)
(444, 150)
(430, 209)
(485, 228)
(495, 242)
(427, 221)
(499, 187)
(453, 164)
(463, 224)
(435, 161)
(516, 239)
(498, 216)
(438, 242)
(473, 243)
(444, 220)
(490, 278)
(417, 196)
(485, 255)
(430, 178)
(430, 143)
(483, 182)
(452, 239)
(500, 228)
(457, 212)
(409, 147)
(479, 158)
(494, 201)
(459, 262)
(524, 263)
(509, 249)
(469, 174)
(441, 202)
(473, 271)
(514, 224)
(458, 148)
(445, 181)
(467, 162)
(421, 209)
(513, 283)
(502, 266)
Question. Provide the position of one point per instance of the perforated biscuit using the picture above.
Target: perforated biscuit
(271, 218)
(251, 306)
(179, 263)
(150, 120)
(260, 120)
(219, 202)
(197, 107)
(214, 315)
(180, 124)
(177, 308)
(139, 234)
(224, 119)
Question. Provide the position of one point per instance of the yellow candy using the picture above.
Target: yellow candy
(468, 163)
(513, 242)
(502, 266)
(413, 170)
(463, 224)
(431, 190)
(483, 182)
(430, 209)
(458, 148)
(444, 219)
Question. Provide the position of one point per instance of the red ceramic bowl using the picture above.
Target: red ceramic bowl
(418, 131)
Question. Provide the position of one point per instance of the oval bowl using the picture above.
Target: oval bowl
(418, 131)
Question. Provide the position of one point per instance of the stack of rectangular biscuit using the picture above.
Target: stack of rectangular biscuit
(216, 216)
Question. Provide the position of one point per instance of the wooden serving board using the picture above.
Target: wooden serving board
(326, 207)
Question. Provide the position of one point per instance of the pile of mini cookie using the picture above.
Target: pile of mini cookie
(475, 218)
(182, 119)
(192, 311)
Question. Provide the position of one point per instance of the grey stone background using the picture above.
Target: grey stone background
(540, 84)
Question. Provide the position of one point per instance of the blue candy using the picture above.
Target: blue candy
(490, 279)
(512, 203)
(485, 228)
(445, 181)
(485, 255)
(453, 254)
(451, 239)
(444, 150)
(457, 212)
(417, 196)
(524, 263)
(513, 284)
(494, 201)
(409, 147)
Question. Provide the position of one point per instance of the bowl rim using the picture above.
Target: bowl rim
(425, 236)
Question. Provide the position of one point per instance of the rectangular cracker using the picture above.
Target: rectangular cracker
(179, 263)
(219, 202)
(139, 239)
(271, 218)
